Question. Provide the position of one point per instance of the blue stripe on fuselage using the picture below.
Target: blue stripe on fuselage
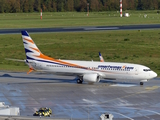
(28, 58)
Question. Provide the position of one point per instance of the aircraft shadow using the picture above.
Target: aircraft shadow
(117, 82)
(60, 80)
(48, 80)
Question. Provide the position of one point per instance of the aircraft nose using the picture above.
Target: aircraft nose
(154, 74)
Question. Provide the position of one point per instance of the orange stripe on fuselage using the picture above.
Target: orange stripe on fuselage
(59, 61)
(69, 64)
(29, 40)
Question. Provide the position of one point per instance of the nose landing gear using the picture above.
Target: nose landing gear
(141, 83)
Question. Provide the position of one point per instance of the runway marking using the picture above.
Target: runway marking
(115, 113)
(106, 28)
(123, 85)
(89, 101)
(135, 109)
(144, 115)
(152, 88)
(143, 110)
(129, 95)
(124, 116)
(116, 85)
(152, 111)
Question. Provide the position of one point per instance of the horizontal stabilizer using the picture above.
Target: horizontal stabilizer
(30, 70)
(15, 60)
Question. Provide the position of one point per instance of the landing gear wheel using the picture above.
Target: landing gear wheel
(141, 83)
(79, 81)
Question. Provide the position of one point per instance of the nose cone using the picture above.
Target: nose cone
(154, 74)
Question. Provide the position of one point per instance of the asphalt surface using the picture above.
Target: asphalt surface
(81, 29)
(126, 100)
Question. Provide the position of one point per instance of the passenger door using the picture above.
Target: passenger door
(136, 71)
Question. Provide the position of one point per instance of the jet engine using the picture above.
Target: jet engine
(92, 78)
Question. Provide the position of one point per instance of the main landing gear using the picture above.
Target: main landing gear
(79, 80)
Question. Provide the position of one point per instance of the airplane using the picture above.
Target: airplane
(86, 71)
(100, 57)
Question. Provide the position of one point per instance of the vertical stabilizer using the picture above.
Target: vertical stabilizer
(30, 47)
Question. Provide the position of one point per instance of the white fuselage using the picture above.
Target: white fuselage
(107, 70)
(88, 71)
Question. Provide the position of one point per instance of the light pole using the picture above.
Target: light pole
(120, 8)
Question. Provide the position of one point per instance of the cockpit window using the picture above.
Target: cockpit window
(146, 70)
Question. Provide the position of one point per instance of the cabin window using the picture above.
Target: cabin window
(146, 70)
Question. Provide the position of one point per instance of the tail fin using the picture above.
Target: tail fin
(30, 47)
(101, 58)
(35, 57)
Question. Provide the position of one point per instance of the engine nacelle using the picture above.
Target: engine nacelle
(92, 78)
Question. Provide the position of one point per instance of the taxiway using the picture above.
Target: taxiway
(69, 100)
(81, 29)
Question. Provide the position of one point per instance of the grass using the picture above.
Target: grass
(59, 19)
(141, 47)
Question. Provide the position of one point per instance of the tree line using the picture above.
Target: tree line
(14, 6)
